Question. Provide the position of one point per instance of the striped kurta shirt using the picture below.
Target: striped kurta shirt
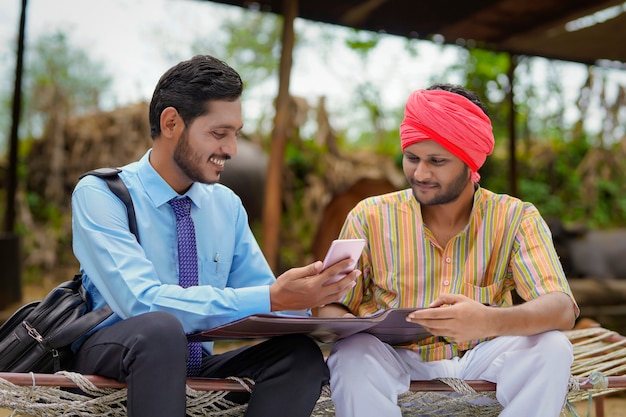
(506, 246)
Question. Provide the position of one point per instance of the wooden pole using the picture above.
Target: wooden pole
(217, 384)
(512, 132)
(10, 258)
(272, 210)
(9, 215)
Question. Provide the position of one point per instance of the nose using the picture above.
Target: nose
(421, 172)
(229, 145)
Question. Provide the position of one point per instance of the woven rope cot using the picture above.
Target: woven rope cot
(598, 369)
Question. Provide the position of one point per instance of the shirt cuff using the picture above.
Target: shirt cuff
(254, 300)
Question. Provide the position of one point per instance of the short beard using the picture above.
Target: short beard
(448, 195)
(188, 161)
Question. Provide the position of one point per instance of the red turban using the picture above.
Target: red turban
(451, 120)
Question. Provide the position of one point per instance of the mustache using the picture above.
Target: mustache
(220, 156)
(413, 181)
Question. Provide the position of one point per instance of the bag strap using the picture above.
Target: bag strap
(77, 328)
(87, 322)
(117, 186)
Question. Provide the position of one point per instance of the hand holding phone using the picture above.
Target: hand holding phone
(341, 249)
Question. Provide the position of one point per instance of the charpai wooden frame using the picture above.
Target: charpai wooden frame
(599, 368)
(208, 384)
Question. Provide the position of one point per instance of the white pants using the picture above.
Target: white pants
(531, 373)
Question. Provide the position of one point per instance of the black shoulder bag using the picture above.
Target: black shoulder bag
(39, 335)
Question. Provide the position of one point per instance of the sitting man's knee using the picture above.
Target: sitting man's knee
(303, 349)
(161, 329)
(556, 349)
(351, 351)
(557, 342)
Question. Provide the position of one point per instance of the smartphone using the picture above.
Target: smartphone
(341, 249)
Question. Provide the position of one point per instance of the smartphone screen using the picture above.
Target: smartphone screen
(341, 249)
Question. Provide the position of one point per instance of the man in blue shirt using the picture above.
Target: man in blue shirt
(195, 118)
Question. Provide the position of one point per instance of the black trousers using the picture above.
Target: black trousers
(149, 353)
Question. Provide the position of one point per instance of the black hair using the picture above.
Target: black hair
(189, 86)
(457, 89)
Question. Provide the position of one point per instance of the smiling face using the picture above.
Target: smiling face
(435, 175)
(209, 141)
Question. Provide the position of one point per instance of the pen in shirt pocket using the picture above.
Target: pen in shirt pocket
(216, 259)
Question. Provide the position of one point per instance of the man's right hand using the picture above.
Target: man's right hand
(302, 288)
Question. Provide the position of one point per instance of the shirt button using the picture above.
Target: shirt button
(448, 260)
(446, 282)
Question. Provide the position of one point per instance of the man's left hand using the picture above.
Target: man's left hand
(456, 317)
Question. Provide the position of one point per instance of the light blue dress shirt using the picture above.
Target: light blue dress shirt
(134, 278)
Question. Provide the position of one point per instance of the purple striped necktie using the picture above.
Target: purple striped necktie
(187, 267)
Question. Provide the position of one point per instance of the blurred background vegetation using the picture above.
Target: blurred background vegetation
(570, 153)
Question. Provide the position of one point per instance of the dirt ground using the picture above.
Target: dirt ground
(614, 406)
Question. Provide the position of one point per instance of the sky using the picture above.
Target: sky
(138, 40)
(132, 40)
(117, 33)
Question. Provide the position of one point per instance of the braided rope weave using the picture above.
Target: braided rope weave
(110, 402)
(598, 353)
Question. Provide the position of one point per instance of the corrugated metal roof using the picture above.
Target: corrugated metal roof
(583, 31)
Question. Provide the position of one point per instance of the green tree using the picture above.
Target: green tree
(60, 81)
(250, 42)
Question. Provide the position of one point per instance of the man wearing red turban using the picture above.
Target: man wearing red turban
(454, 252)
(451, 120)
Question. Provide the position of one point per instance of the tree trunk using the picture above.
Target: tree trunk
(274, 184)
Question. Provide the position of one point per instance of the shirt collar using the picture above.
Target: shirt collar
(158, 189)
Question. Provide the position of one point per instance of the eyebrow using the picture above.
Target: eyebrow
(227, 126)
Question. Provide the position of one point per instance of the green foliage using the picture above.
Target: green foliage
(60, 80)
(301, 160)
(251, 44)
(485, 74)
(362, 42)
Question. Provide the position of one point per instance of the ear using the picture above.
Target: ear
(170, 122)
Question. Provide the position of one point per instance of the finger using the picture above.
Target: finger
(335, 296)
(437, 303)
(313, 269)
(338, 267)
(335, 292)
(345, 283)
(434, 313)
(336, 272)
(446, 299)
(302, 272)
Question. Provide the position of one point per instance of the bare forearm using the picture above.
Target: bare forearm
(553, 311)
(462, 319)
(333, 310)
